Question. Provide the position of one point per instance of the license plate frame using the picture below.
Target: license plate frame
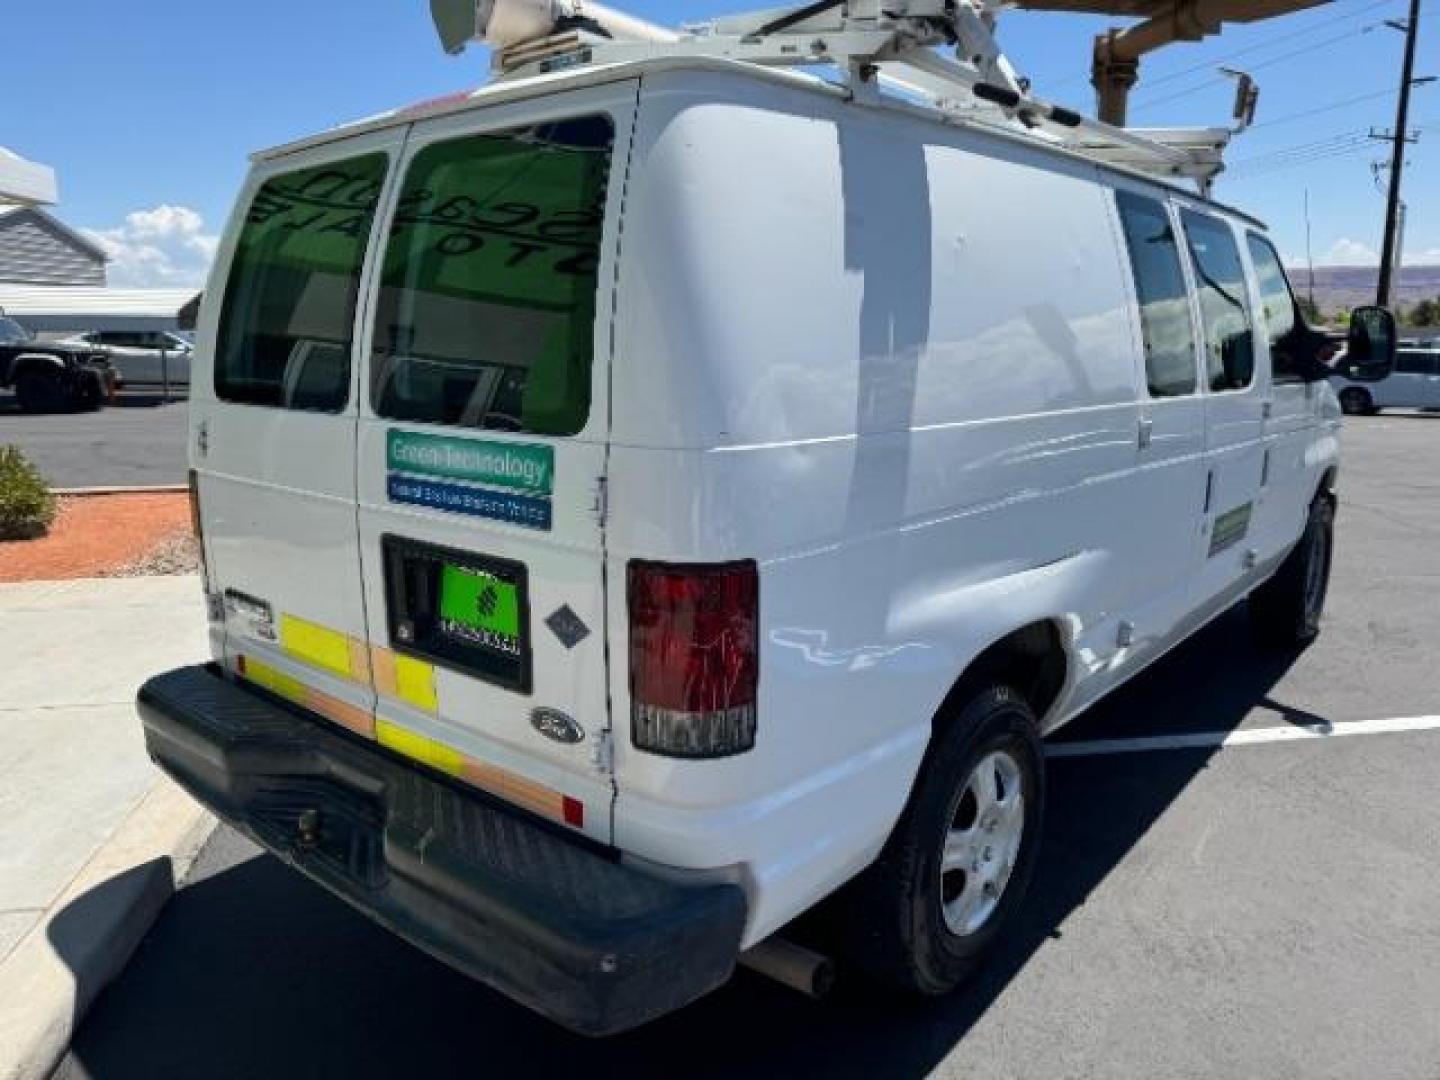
(416, 575)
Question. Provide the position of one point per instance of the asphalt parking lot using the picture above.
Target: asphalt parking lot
(138, 441)
(1266, 909)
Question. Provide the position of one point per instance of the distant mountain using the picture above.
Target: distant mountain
(1339, 287)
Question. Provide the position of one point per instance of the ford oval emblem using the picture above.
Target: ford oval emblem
(554, 724)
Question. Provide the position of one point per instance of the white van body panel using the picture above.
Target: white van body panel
(897, 362)
(278, 485)
(838, 360)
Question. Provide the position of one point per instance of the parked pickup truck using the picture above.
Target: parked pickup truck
(51, 377)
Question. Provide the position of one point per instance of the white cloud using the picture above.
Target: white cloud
(1350, 253)
(1430, 257)
(162, 246)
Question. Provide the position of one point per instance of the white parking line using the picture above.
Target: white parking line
(1209, 740)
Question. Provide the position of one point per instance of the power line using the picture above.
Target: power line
(1251, 68)
(1346, 103)
(1295, 163)
(1278, 40)
(1311, 28)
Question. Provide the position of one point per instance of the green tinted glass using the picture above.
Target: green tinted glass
(289, 312)
(487, 305)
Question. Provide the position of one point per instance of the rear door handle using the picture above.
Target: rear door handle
(1147, 433)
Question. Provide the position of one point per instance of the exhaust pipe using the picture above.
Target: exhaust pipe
(792, 965)
(506, 23)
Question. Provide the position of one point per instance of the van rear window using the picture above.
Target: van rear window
(486, 315)
(289, 313)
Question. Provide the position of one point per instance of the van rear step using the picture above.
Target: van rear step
(548, 919)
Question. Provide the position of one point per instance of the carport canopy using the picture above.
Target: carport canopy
(72, 308)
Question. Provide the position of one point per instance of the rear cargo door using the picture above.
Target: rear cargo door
(482, 457)
(274, 419)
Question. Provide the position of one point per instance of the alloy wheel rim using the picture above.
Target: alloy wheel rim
(982, 844)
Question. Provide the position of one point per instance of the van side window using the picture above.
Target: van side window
(486, 316)
(1224, 309)
(1409, 362)
(1280, 316)
(1160, 288)
(289, 312)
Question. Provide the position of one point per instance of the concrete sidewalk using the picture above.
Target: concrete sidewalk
(91, 836)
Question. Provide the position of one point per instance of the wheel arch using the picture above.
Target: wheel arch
(1033, 660)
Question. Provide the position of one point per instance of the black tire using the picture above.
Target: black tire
(39, 392)
(1356, 402)
(1285, 612)
(896, 927)
(88, 395)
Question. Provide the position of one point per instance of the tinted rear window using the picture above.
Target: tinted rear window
(486, 314)
(289, 312)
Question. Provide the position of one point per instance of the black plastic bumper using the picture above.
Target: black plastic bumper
(542, 916)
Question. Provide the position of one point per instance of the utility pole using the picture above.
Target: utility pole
(1397, 161)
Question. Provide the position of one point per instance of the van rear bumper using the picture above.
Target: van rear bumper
(549, 919)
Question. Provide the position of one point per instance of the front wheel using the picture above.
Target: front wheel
(960, 860)
(1286, 610)
(39, 392)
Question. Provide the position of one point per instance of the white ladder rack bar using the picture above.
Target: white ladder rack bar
(871, 46)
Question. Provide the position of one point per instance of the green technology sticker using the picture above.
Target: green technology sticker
(507, 482)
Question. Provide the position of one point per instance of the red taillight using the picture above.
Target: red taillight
(694, 658)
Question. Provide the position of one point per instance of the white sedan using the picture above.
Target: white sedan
(142, 357)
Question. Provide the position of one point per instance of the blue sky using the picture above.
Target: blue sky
(148, 110)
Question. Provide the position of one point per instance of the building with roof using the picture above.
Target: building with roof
(53, 309)
(37, 248)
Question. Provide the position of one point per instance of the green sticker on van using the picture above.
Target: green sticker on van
(480, 603)
(519, 467)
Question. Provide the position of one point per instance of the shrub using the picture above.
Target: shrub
(26, 506)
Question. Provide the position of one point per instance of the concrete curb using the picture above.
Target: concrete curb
(88, 934)
(157, 489)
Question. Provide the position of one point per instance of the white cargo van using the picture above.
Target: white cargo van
(644, 499)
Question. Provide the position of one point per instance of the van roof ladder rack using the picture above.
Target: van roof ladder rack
(890, 44)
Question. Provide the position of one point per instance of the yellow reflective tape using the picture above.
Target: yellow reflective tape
(415, 683)
(277, 682)
(419, 748)
(317, 645)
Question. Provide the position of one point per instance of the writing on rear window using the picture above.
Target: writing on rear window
(486, 313)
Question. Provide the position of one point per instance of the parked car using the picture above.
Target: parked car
(142, 357)
(586, 612)
(1412, 383)
(49, 376)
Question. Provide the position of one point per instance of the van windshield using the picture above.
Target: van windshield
(486, 314)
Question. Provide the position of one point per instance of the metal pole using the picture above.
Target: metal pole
(1397, 160)
(1309, 250)
(165, 374)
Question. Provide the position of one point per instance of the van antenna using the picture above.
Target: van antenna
(876, 44)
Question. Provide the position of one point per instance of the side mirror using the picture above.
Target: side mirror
(1370, 344)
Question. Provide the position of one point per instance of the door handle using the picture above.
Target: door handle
(1147, 433)
(1209, 489)
(1267, 409)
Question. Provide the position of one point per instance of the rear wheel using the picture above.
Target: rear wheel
(1286, 610)
(960, 860)
(1356, 402)
(40, 392)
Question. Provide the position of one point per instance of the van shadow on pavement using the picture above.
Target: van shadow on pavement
(255, 972)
